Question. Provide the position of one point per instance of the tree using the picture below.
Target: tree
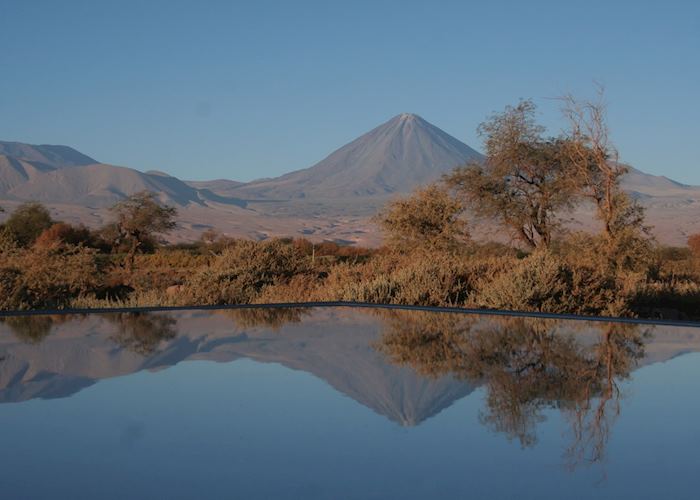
(139, 219)
(430, 217)
(597, 171)
(524, 181)
(27, 222)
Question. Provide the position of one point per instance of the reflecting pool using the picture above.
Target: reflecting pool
(338, 403)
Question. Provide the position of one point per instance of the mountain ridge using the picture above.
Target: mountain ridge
(330, 200)
(56, 156)
(395, 156)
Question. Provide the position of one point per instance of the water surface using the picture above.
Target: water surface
(346, 403)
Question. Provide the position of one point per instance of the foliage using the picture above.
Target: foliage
(544, 282)
(524, 182)
(138, 219)
(430, 217)
(597, 173)
(243, 270)
(27, 222)
(62, 233)
(47, 278)
(527, 183)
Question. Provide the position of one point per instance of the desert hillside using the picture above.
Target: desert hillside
(331, 200)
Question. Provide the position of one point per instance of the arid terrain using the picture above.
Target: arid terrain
(332, 200)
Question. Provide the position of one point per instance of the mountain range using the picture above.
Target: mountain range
(331, 200)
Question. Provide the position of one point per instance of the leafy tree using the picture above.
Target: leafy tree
(524, 182)
(138, 219)
(430, 217)
(27, 222)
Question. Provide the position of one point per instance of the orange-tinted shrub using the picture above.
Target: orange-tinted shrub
(63, 233)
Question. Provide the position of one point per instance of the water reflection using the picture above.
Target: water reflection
(32, 329)
(407, 366)
(526, 365)
(142, 332)
(273, 318)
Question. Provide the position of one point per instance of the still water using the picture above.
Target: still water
(338, 403)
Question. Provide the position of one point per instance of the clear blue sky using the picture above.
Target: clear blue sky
(243, 90)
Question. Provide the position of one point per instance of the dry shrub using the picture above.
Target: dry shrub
(64, 234)
(159, 270)
(243, 270)
(419, 278)
(10, 286)
(694, 244)
(428, 217)
(111, 300)
(8, 244)
(546, 283)
(330, 249)
(670, 298)
(300, 288)
(630, 253)
(47, 278)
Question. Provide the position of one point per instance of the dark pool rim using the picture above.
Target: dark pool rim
(291, 305)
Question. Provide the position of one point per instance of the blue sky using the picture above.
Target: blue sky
(243, 90)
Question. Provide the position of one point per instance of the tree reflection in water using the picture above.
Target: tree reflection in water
(527, 365)
(267, 317)
(142, 332)
(33, 329)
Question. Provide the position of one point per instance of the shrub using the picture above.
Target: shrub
(47, 278)
(545, 283)
(62, 233)
(630, 253)
(10, 284)
(27, 222)
(430, 217)
(419, 278)
(694, 244)
(243, 270)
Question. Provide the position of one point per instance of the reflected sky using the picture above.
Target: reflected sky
(346, 403)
